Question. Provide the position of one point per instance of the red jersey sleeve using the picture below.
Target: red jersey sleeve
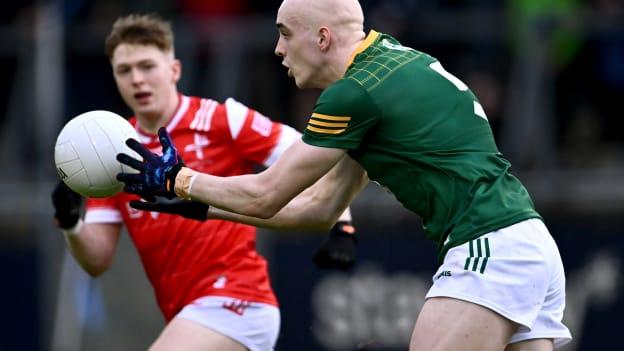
(256, 137)
(103, 210)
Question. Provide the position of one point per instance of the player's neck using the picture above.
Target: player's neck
(340, 59)
(151, 122)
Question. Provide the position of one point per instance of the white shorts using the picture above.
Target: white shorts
(253, 324)
(515, 271)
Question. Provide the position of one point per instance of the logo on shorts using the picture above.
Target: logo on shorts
(443, 274)
(220, 282)
(236, 306)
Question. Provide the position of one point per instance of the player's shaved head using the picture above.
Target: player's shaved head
(317, 38)
(341, 16)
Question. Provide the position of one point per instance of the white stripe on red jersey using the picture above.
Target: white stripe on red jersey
(236, 115)
(287, 138)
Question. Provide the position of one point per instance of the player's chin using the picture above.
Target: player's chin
(302, 83)
(146, 110)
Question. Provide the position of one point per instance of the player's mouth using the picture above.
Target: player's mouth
(142, 98)
(289, 69)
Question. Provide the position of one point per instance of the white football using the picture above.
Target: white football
(86, 150)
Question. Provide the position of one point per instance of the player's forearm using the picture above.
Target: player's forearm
(93, 252)
(316, 208)
(276, 222)
(264, 194)
(297, 215)
(245, 195)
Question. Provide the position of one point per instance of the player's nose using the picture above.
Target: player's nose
(279, 49)
(136, 76)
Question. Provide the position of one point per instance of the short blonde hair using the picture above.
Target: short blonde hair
(148, 29)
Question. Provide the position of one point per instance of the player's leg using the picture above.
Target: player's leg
(451, 324)
(547, 331)
(184, 335)
(512, 276)
(531, 345)
(222, 323)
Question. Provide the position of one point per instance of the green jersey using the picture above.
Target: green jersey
(421, 133)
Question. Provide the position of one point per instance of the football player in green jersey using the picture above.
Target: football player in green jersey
(394, 115)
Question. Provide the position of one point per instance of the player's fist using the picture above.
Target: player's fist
(67, 205)
(339, 250)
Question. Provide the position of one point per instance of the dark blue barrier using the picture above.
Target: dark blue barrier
(20, 299)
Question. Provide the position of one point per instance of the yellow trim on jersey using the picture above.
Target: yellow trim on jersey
(325, 131)
(328, 124)
(372, 36)
(331, 118)
(333, 122)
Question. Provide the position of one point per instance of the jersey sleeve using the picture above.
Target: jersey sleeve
(342, 116)
(256, 137)
(103, 210)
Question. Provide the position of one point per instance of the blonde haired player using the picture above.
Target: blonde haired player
(395, 115)
(210, 283)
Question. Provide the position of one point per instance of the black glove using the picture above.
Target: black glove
(67, 205)
(186, 208)
(157, 173)
(337, 252)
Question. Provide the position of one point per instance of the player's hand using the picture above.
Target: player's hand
(186, 208)
(339, 250)
(67, 205)
(157, 174)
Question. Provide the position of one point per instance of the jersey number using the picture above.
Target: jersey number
(461, 86)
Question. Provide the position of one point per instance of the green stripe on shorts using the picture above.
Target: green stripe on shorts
(487, 255)
(483, 247)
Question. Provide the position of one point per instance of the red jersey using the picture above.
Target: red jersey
(186, 259)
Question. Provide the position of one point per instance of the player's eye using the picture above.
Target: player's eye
(122, 70)
(283, 33)
(147, 66)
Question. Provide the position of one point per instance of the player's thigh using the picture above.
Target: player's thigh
(184, 335)
(451, 324)
(532, 345)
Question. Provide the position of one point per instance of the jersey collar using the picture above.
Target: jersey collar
(183, 105)
(370, 39)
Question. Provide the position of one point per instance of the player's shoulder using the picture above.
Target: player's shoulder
(216, 117)
(197, 113)
(384, 57)
(343, 94)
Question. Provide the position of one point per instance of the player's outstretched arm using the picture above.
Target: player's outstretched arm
(264, 194)
(317, 208)
(261, 195)
(92, 245)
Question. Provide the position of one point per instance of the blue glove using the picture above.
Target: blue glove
(157, 174)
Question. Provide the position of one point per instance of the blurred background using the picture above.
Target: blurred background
(550, 75)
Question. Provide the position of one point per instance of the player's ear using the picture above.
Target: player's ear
(324, 39)
(176, 68)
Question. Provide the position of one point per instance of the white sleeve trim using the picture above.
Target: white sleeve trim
(101, 215)
(287, 137)
(235, 114)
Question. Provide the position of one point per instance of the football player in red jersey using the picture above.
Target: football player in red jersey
(210, 283)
